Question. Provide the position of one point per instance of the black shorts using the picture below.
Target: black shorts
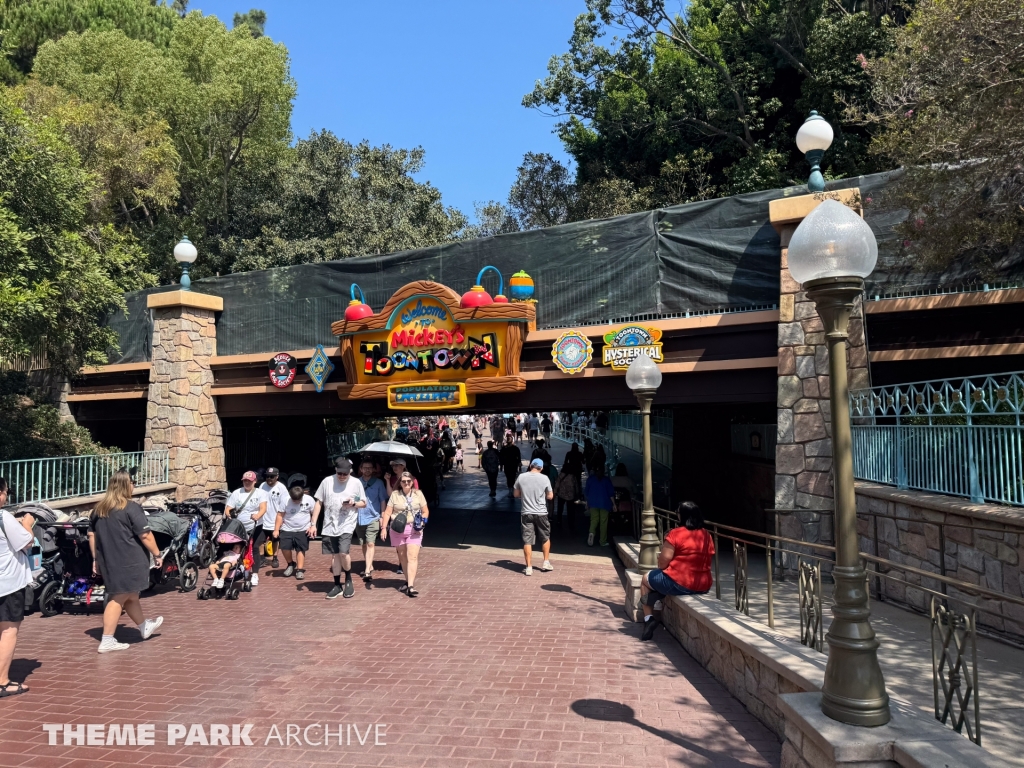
(12, 606)
(336, 545)
(294, 541)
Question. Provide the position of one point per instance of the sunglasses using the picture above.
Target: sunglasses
(404, 482)
(342, 474)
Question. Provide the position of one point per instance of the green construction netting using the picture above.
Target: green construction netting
(706, 257)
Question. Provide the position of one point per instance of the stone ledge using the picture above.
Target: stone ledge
(939, 503)
(803, 667)
(921, 740)
(84, 501)
(171, 299)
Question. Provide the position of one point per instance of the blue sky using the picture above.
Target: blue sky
(447, 75)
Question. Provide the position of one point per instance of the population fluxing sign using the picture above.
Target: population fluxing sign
(623, 346)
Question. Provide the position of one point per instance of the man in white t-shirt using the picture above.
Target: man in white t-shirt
(340, 497)
(248, 504)
(277, 497)
(293, 526)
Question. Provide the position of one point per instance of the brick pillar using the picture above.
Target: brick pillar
(803, 456)
(182, 415)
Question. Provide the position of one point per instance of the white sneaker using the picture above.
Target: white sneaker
(590, 539)
(658, 605)
(110, 644)
(529, 570)
(255, 579)
(149, 626)
(546, 566)
(218, 583)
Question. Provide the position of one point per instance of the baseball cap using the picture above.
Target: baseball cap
(537, 464)
(272, 472)
(250, 475)
(342, 465)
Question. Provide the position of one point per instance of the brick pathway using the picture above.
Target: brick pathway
(486, 668)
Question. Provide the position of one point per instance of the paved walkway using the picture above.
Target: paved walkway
(486, 668)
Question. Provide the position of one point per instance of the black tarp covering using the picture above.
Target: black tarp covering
(709, 256)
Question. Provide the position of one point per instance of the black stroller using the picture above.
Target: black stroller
(68, 578)
(172, 537)
(238, 579)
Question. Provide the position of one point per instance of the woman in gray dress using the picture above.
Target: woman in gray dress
(121, 543)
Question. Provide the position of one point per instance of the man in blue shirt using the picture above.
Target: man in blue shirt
(600, 499)
(368, 525)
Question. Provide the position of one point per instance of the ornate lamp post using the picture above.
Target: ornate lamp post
(185, 253)
(831, 253)
(644, 378)
(813, 139)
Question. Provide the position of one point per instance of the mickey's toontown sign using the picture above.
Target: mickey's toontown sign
(430, 349)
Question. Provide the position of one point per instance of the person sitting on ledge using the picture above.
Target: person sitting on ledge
(684, 565)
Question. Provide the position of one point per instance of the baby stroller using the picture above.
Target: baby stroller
(239, 577)
(69, 579)
(201, 517)
(171, 534)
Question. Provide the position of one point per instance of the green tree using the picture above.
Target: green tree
(26, 24)
(255, 21)
(946, 105)
(678, 107)
(330, 199)
(59, 273)
(225, 95)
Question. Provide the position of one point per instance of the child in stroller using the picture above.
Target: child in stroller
(233, 563)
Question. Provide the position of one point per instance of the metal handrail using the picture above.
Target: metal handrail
(348, 442)
(66, 477)
(953, 632)
(577, 433)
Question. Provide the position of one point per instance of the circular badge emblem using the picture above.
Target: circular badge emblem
(282, 370)
(572, 352)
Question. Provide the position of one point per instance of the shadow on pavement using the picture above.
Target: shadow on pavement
(604, 710)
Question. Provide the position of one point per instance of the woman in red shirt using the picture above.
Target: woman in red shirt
(684, 565)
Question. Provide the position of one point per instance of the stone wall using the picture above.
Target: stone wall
(988, 558)
(752, 662)
(181, 414)
(803, 459)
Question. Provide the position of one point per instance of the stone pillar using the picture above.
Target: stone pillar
(803, 456)
(182, 415)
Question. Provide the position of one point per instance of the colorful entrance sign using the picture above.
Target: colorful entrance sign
(419, 396)
(622, 346)
(320, 367)
(572, 352)
(424, 337)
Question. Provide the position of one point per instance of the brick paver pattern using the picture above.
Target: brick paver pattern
(486, 668)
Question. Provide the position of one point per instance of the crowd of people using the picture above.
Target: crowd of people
(366, 504)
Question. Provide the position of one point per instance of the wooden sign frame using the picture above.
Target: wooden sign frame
(517, 315)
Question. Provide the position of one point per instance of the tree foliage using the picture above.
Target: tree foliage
(26, 24)
(60, 273)
(946, 102)
(680, 106)
(329, 199)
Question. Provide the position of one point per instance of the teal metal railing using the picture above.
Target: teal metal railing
(577, 433)
(349, 442)
(961, 437)
(661, 423)
(67, 477)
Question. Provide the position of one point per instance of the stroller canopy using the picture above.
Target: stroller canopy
(232, 527)
(166, 523)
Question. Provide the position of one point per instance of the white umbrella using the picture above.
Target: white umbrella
(392, 447)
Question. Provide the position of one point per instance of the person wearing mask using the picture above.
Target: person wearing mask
(277, 497)
(684, 565)
(534, 489)
(511, 462)
(408, 505)
(600, 500)
(121, 544)
(368, 525)
(490, 460)
(248, 505)
(15, 574)
(293, 526)
(340, 496)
